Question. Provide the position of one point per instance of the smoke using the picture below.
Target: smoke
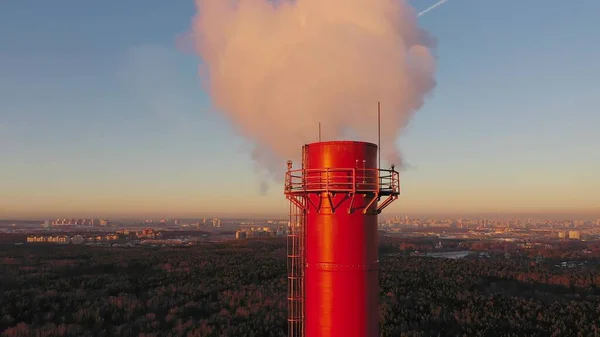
(278, 68)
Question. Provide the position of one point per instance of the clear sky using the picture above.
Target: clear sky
(101, 115)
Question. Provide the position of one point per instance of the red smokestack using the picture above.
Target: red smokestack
(332, 244)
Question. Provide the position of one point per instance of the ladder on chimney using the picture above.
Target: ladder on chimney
(295, 268)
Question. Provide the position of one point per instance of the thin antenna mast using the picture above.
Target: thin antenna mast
(319, 132)
(379, 133)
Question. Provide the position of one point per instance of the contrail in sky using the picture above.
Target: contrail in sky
(439, 3)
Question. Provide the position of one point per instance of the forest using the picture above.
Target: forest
(238, 288)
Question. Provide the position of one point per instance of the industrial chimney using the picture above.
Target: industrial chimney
(333, 263)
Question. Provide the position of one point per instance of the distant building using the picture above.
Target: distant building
(76, 222)
(62, 239)
(123, 232)
(111, 237)
(77, 240)
(148, 234)
(257, 232)
(575, 235)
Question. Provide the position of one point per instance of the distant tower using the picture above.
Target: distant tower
(333, 262)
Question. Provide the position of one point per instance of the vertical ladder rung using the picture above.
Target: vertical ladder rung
(295, 251)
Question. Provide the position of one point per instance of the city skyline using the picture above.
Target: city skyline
(110, 120)
(573, 215)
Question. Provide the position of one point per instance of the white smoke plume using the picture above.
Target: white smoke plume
(278, 68)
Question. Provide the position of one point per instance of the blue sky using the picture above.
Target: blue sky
(100, 114)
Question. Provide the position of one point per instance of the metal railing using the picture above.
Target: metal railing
(349, 180)
(370, 181)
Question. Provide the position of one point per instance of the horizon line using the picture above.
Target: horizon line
(571, 214)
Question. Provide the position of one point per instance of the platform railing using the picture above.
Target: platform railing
(349, 180)
(373, 183)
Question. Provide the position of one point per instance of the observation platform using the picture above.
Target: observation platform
(373, 182)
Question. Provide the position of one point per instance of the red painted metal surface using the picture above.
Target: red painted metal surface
(333, 263)
(342, 289)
